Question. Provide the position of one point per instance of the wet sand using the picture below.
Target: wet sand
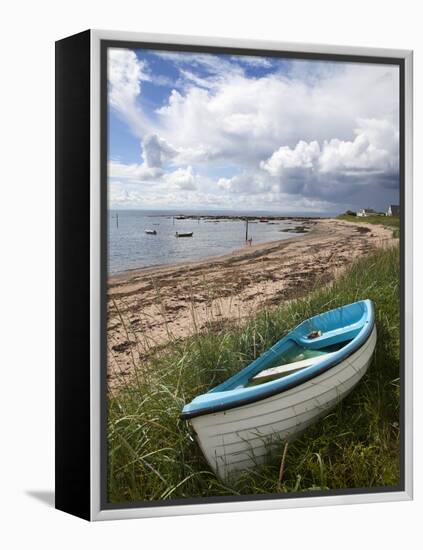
(148, 307)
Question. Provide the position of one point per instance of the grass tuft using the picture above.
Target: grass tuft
(388, 221)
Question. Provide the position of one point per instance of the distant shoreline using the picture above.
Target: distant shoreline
(122, 275)
(241, 217)
(298, 232)
(226, 215)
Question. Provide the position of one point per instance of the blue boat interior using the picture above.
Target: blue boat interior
(314, 346)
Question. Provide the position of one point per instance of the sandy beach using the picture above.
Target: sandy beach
(149, 307)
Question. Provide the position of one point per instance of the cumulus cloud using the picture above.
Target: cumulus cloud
(131, 195)
(304, 155)
(182, 178)
(246, 119)
(374, 150)
(331, 171)
(134, 172)
(156, 151)
(125, 73)
(309, 167)
(248, 182)
(320, 130)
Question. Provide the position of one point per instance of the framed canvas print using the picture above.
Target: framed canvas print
(233, 275)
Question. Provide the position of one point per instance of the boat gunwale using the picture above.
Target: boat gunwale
(220, 407)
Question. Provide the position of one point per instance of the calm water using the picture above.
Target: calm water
(130, 247)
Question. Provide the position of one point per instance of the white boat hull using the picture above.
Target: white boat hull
(240, 438)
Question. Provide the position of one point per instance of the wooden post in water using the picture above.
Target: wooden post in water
(117, 220)
(246, 230)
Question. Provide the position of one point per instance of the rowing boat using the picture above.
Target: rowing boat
(151, 231)
(179, 234)
(282, 392)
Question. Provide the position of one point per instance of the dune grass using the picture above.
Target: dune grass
(151, 455)
(388, 221)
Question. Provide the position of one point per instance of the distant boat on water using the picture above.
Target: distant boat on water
(178, 234)
(151, 231)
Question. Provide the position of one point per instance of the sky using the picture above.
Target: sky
(199, 131)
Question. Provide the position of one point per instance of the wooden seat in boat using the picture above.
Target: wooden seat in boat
(288, 368)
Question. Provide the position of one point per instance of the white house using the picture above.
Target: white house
(363, 212)
(393, 210)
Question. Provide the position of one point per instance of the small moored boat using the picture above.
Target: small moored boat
(151, 231)
(179, 234)
(283, 391)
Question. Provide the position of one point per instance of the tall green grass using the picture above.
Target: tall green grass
(151, 455)
(388, 221)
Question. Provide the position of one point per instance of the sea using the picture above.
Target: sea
(129, 247)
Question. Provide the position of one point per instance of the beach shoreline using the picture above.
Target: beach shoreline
(121, 263)
(246, 249)
(148, 307)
